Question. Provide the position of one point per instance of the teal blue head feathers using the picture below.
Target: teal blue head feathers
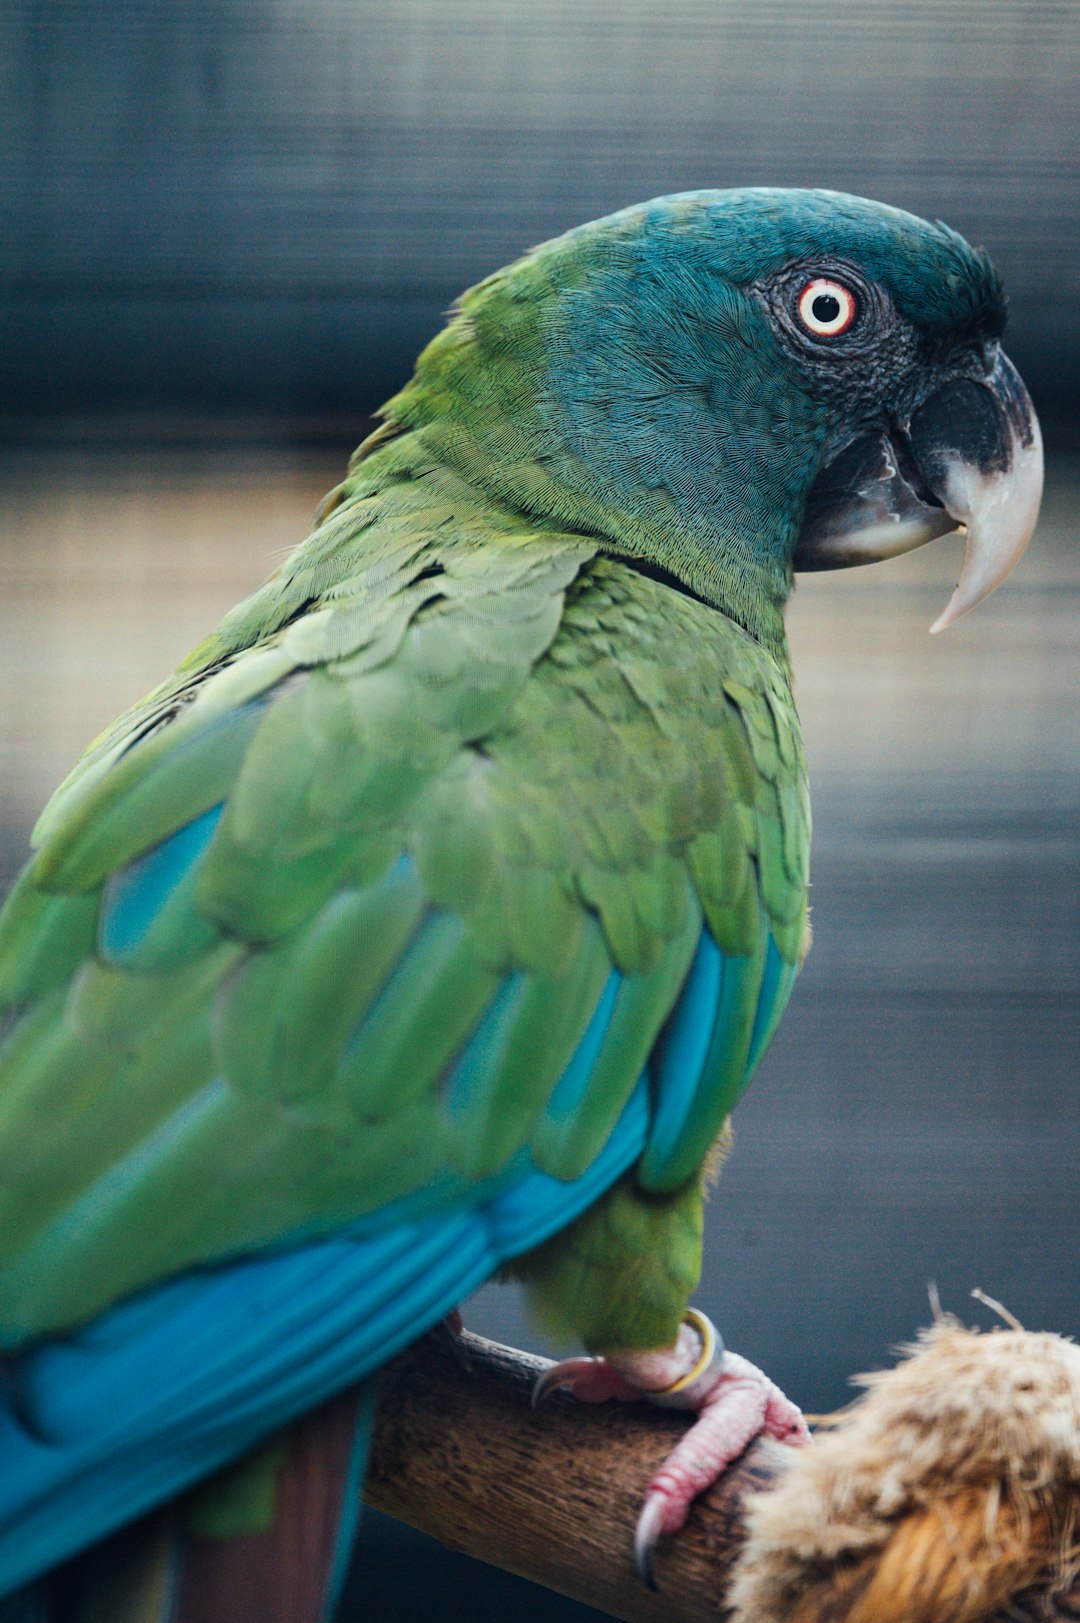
(653, 378)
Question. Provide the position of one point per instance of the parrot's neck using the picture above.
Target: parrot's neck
(698, 497)
(736, 585)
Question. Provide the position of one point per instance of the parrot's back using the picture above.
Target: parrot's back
(462, 871)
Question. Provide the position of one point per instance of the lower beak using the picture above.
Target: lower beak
(970, 457)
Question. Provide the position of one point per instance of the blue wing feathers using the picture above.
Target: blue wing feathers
(678, 1068)
(714, 1039)
(569, 1091)
(163, 1389)
(141, 897)
(166, 1387)
(349, 1518)
(776, 985)
(479, 1059)
(538, 1205)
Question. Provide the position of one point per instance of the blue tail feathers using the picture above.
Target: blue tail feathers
(165, 1388)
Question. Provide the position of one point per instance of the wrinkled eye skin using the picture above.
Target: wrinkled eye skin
(874, 314)
(855, 362)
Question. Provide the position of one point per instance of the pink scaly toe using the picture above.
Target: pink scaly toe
(740, 1405)
(733, 1400)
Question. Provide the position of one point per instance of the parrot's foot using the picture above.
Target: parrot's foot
(734, 1400)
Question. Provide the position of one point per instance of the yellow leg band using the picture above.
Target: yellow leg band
(686, 1392)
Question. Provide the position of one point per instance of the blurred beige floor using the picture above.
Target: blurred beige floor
(114, 561)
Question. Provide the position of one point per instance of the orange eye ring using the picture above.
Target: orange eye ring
(827, 308)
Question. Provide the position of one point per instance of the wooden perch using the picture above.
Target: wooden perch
(553, 1495)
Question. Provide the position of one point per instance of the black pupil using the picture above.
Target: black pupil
(826, 308)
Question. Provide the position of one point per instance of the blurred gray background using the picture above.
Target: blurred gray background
(229, 227)
(263, 205)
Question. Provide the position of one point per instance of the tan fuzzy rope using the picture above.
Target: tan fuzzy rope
(950, 1488)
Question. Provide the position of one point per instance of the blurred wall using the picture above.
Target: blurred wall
(264, 205)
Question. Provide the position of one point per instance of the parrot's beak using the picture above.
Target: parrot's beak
(970, 456)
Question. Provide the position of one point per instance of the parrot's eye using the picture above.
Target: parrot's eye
(826, 308)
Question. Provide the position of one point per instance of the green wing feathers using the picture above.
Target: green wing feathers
(316, 930)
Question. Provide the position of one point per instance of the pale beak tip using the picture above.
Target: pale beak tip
(995, 497)
(946, 618)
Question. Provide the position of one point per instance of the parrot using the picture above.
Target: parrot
(427, 924)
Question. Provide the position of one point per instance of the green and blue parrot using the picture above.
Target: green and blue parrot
(431, 919)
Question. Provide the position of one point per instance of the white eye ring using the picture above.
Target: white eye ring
(827, 308)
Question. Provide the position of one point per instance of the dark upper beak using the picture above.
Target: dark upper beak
(970, 456)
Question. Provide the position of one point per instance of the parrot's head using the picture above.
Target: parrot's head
(734, 386)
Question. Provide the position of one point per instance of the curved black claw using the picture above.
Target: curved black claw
(646, 1537)
(561, 1374)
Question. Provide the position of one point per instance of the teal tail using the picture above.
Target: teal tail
(267, 1541)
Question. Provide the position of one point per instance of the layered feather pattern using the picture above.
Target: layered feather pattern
(459, 877)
